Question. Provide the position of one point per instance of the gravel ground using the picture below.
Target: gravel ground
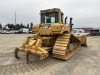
(85, 62)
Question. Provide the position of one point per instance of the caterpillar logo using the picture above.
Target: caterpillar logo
(46, 26)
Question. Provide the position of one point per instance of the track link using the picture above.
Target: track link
(63, 49)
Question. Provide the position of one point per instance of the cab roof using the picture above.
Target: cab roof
(50, 10)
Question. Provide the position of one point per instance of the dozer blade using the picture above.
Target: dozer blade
(32, 46)
(66, 46)
(83, 39)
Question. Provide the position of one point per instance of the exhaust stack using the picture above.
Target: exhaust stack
(71, 24)
(66, 20)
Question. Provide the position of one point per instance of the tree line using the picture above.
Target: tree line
(16, 27)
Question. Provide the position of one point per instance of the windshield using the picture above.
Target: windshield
(49, 17)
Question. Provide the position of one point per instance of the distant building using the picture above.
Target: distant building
(87, 29)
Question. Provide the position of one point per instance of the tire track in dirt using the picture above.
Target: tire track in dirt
(22, 67)
(9, 54)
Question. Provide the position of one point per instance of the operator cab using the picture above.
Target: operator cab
(51, 23)
(51, 16)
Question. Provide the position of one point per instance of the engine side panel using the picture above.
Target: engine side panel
(50, 29)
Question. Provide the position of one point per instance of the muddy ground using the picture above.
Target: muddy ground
(85, 62)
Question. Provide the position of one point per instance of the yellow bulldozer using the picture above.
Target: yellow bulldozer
(54, 35)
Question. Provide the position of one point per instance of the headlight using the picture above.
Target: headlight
(62, 28)
(46, 26)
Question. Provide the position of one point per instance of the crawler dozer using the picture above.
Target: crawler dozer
(52, 35)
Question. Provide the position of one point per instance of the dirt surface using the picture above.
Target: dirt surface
(85, 62)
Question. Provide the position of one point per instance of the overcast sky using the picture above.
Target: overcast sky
(85, 13)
